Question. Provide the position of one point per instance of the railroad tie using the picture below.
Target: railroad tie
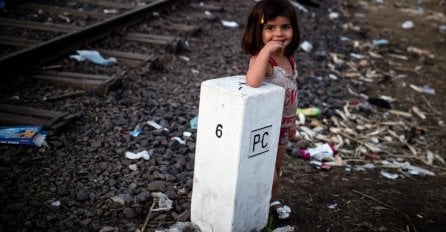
(100, 84)
(170, 42)
(128, 58)
(22, 115)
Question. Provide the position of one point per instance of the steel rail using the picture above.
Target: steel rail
(49, 50)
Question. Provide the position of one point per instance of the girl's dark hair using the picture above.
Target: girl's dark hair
(268, 10)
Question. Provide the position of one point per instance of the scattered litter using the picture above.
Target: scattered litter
(333, 77)
(360, 105)
(194, 122)
(380, 42)
(417, 171)
(360, 15)
(365, 167)
(413, 170)
(93, 56)
(301, 120)
(320, 165)
(182, 142)
(425, 89)
(195, 71)
(306, 46)
(23, 135)
(137, 131)
(119, 199)
(65, 18)
(284, 229)
(133, 167)
(187, 134)
(442, 28)
(55, 203)
(366, 139)
(110, 11)
(333, 15)
(164, 203)
(299, 6)
(408, 25)
(207, 13)
(231, 24)
(324, 152)
(387, 98)
(388, 175)
(337, 162)
(428, 90)
(185, 58)
(332, 206)
(142, 154)
(348, 168)
(156, 125)
(311, 111)
(181, 227)
(321, 157)
(357, 56)
(344, 38)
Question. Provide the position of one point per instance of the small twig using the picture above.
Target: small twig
(161, 209)
(388, 206)
(148, 217)
(52, 67)
(430, 106)
(65, 95)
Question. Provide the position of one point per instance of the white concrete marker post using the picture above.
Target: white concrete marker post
(237, 139)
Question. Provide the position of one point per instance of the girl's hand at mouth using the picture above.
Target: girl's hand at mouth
(274, 46)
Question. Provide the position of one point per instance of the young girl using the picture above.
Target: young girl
(271, 37)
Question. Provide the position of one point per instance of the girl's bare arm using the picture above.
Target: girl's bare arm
(259, 66)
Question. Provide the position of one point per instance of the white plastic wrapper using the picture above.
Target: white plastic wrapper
(232, 24)
(142, 154)
(93, 56)
(164, 203)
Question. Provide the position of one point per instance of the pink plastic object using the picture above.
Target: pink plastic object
(318, 153)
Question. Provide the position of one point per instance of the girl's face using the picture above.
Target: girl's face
(277, 29)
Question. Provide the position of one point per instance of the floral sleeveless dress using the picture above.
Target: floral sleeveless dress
(280, 78)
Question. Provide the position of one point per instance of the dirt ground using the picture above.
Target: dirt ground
(347, 199)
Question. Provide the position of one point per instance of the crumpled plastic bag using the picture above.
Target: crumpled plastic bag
(93, 56)
(142, 154)
(164, 203)
(181, 226)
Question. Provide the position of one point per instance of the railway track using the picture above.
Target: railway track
(73, 28)
(38, 37)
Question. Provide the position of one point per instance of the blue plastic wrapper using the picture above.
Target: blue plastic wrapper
(194, 123)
